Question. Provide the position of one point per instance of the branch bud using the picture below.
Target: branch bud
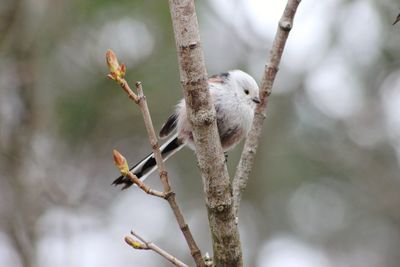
(112, 61)
(120, 162)
(117, 71)
(135, 244)
(122, 70)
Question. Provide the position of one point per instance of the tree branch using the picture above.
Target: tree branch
(145, 187)
(117, 73)
(201, 114)
(143, 244)
(271, 68)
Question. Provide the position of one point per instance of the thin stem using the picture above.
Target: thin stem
(250, 147)
(194, 249)
(152, 137)
(168, 194)
(145, 187)
(146, 245)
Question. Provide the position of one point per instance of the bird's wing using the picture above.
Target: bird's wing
(219, 78)
(170, 124)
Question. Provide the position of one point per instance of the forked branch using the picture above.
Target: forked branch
(117, 73)
(146, 245)
(122, 165)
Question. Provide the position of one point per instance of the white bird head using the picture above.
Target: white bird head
(246, 86)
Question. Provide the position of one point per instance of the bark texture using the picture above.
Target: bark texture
(201, 114)
(271, 68)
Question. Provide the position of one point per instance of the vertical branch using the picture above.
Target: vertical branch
(201, 114)
(152, 137)
(170, 195)
(271, 68)
(117, 73)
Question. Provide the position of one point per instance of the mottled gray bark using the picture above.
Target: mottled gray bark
(201, 114)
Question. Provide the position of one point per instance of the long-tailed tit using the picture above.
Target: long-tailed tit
(234, 94)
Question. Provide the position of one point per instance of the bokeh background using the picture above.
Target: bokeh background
(325, 190)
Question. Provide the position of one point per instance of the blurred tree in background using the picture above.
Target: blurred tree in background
(325, 190)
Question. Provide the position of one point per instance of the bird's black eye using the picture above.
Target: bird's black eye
(246, 91)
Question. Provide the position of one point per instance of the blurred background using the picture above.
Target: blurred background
(325, 190)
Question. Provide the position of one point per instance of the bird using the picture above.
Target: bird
(235, 95)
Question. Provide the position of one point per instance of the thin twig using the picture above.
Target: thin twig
(122, 164)
(117, 73)
(152, 137)
(143, 244)
(194, 249)
(124, 84)
(145, 187)
(250, 147)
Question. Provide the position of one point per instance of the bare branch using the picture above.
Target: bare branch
(201, 114)
(194, 249)
(152, 137)
(117, 73)
(144, 187)
(250, 147)
(143, 244)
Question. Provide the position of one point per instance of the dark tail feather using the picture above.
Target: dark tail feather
(146, 166)
(168, 126)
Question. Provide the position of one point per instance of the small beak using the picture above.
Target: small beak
(256, 100)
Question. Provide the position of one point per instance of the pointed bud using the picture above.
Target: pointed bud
(112, 61)
(133, 243)
(110, 76)
(122, 70)
(120, 162)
